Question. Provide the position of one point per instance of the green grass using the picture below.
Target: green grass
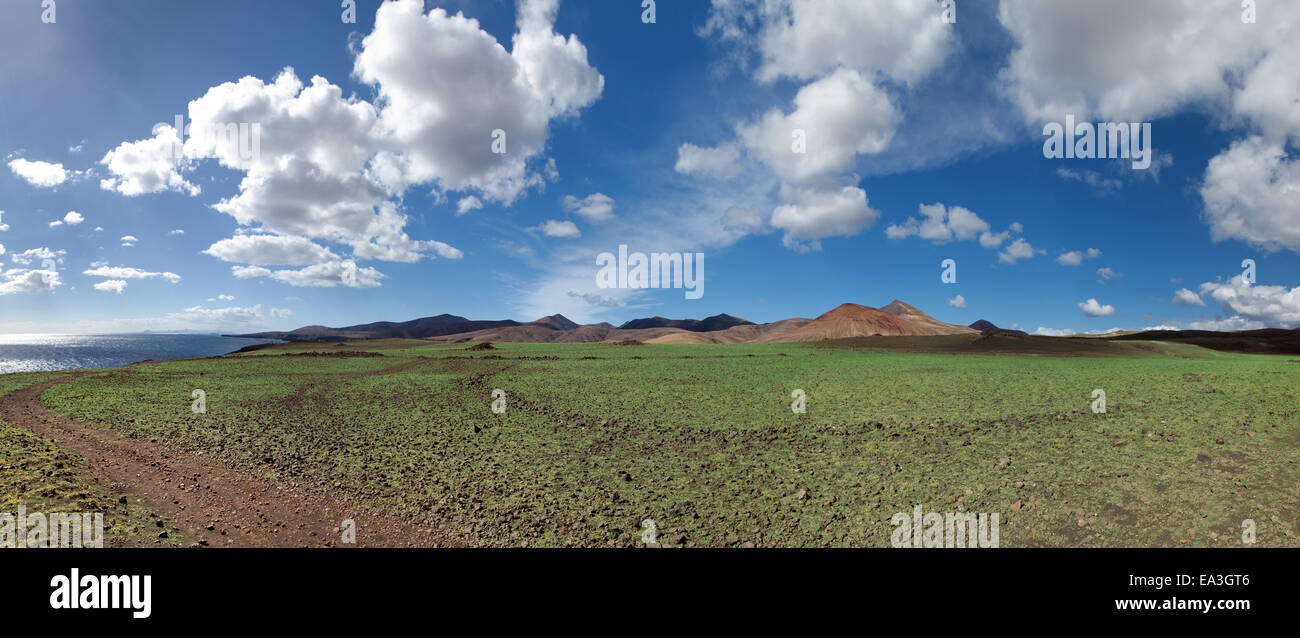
(46, 478)
(701, 439)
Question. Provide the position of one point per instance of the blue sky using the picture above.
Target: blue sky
(672, 136)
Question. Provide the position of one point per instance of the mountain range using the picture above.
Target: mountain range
(847, 320)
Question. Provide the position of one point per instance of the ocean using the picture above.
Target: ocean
(34, 352)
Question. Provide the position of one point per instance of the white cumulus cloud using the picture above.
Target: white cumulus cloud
(324, 275)
(848, 57)
(813, 214)
(834, 120)
(22, 280)
(1142, 61)
(1185, 297)
(566, 229)
(38, 173)
(467, 204)
(149, 165)
(1076, 257)
(1271, 306)
(804, 39)
(127, 272)
(1250, 193)
(1094, 309)
(111, 285)
(332, 168)
(595, 208)
(270, 250)
(1054, 332)
(1017, 250)
(42, 254)
(940, 224)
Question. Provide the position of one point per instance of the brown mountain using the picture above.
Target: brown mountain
(850, 320)
(554, 322)
(929, 324)
(751, 333)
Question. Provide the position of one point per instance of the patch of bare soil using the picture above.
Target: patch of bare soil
(213, 504)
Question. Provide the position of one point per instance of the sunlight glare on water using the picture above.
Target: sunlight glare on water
(43, 352)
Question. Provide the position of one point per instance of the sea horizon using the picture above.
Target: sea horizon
(49, 352)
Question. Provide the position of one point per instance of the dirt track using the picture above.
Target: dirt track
(212, 504)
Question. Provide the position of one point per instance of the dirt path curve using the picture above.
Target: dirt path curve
(211, 503)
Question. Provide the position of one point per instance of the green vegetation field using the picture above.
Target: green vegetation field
(48, 479)
(702, 440)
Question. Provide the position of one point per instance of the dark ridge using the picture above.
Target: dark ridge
(1266, 341)
(710, 324)
(426, 322)
(416, 329)
(555, 322)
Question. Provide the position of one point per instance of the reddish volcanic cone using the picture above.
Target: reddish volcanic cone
(922, 321)
(852, 320)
